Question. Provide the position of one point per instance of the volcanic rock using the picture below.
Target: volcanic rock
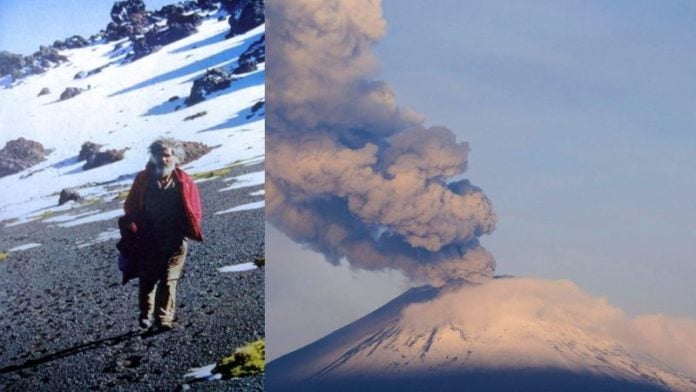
(37, 69)
(10, 62)
(164, 12)
(123, 10)
(142, 48)
(178, 16)
(252, 15)
(213, 80)
(177, 31)
(59, 45)
(179, 25)
(115, 32)
(94, 38)
(47, 54)
(70, 92)
(104, 158)
(207, 5)
(19, 66)
(230, 5)
(194, 150)
(67, 195)
(253, 55)
(76, 41)
(195, 116)
(256, 107)
(88, 151)
(20, 154)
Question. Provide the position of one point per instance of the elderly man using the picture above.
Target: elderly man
(165, 209)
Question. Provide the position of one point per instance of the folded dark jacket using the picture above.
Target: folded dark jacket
(128, 248)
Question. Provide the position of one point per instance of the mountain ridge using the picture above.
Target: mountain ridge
(422, 337)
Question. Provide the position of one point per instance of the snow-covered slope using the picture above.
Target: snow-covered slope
(533, 332)
(127, 106)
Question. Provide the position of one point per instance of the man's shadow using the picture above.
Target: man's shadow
(112, 341)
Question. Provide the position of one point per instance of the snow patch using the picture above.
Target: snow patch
(25, 247)
(253, 161)
(69, 217)
(204, 372)
(238, 267)
(104, 236)
(245, 180)
(249, 206)
(20, 221)
(260, 192)
(106, 215)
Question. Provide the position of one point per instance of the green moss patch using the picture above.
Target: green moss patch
(246, 361)
(45, 215)
(121, 196)
(3, 256)
(212, 173)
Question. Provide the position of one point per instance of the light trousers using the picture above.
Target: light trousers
(157, 290)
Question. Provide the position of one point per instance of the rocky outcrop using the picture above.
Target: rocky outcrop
(10, 62)
(179, 15)
(70, 92)
(213, 80)
(128, 19)
(86, 74)
(47, 54)
(252, 56)
(180, 24)
(251, 15)
(195, 116)
(256, 109)
(67, 195)
(44, 91)
(194, 150)
(76, 41)
(102, 158)
(93, 157)
(88, 151)
(20, 154)
(207, 5)
(19, 66)
(123, 11)
(115, 32)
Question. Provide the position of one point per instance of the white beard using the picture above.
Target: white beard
(164, 171)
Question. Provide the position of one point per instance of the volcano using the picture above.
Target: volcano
(517, 334)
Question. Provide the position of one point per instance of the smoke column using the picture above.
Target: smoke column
(351, 175)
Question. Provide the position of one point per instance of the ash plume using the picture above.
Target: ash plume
(349, 173)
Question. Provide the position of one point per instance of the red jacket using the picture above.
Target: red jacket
(189, 192)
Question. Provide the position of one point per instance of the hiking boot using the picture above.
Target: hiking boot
(165, 327)
(145, 323)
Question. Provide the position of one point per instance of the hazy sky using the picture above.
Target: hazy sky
(581, 121)
(27, 24)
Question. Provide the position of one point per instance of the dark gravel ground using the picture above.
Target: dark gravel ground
(67, 324)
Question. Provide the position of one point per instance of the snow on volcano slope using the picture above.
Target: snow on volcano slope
(522, 333)
(128, 105)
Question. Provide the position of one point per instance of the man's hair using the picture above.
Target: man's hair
(167, 142)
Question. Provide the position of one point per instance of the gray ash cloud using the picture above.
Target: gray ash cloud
(350, 174)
